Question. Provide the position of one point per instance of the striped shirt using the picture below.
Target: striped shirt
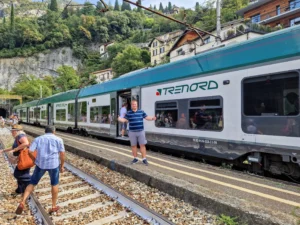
(48, 147)
(135, 120)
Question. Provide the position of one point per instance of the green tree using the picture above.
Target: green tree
(53, 6)
(67, 79)
(117, 6)
(88, 9)
(4, 19)
(129, 60)
(139, 9)
(12, 18)
(30, 86)
(170, 7)
(161, 8)
(197, 7)
(154, 8)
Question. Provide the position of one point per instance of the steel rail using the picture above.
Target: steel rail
(147, 214)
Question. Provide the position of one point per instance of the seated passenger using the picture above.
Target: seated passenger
(291, 128)
(181, 123)
(202, 117)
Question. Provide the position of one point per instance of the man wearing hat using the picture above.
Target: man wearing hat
(21, 142)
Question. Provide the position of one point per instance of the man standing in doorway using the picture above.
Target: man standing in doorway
(123, 112)
(50, 150)
(136, 134)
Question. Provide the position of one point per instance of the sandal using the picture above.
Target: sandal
(53, 210)
(20, 208)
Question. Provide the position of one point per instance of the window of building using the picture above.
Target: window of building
(162, 50)
(278, 10)
(271, 104)
(60, 115)
(206, 114)
(166, 114)
(82, 108)
(154, 43)
(154, 53)
(255, 18)
(31, 114)
(100, 114)
(294, 4)
(37, 113)
(71, 112)
(206, 40)
(179, 51)
(94, 100)
(294, 21)
(155, 62)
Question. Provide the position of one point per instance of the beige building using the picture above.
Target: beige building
(103, 50)
(103, 75)
(161, 45)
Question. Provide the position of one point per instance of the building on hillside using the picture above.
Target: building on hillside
(189, 43)
(272, 12)
(103, 75)
(159, 46)
(175, 10)
(103, 49)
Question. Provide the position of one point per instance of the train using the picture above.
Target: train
(238, 103)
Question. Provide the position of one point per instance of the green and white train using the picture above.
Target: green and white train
(236, 103)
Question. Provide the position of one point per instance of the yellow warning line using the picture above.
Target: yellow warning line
(201, 177)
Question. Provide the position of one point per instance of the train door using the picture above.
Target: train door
(124, 98)
(50, 114)
(113, 114)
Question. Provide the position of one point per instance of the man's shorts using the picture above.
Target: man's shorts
(39, 173)
(137, 137)
(123, 126)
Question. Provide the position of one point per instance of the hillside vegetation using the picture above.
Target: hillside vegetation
(77, 27)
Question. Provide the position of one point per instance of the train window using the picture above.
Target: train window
(37, 113)
(206, 114)
(31, 114)
(276, 95)
(271, 105)
(100, 114)
(44, 114)
(71, 112)
(60, 115)
(166, 114)
(82, 108)
(23, 114)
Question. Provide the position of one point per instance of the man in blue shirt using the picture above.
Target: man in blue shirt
(134, 118)
(50, 149)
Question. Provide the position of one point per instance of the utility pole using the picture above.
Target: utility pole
(218, 22)
(41, 91)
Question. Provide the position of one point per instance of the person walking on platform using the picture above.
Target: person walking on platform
(50, 149)
(134, 118)
(21, 142)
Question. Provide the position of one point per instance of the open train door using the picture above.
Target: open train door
(113, 114)
(50, 114)
(136, 95)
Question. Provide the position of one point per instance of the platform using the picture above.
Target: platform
(255, 200)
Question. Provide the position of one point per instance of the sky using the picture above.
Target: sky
(179, 3)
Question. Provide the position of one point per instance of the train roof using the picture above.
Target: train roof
(60, 97)
(273, 46)
(27, 104)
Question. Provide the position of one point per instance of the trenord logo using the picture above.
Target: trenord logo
(185, 88)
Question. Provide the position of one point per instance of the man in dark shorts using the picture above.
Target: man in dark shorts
(134, 118)
(50, 150)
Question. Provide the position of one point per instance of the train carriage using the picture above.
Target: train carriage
(238, 103)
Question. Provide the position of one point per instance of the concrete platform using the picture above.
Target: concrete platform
(255, 200)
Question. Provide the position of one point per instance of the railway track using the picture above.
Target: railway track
(86, 200)
(83, 199)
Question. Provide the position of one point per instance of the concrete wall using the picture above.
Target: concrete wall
(38, 65)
